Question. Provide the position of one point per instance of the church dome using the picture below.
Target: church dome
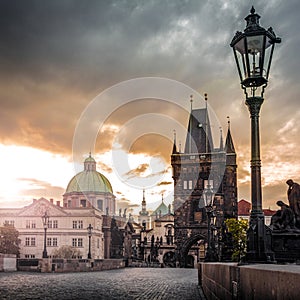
(89, 180)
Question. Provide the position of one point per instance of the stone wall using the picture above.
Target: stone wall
(71, 265)
(8, 262)
(265, 281)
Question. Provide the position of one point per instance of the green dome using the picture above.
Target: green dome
(89, 181)
(162, 209)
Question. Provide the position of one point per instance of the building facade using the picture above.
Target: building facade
(200, 166)
(88, 202)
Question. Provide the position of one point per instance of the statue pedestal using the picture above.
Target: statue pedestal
(286, 246)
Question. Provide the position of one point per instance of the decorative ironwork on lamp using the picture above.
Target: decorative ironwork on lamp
(208, 197)
(89, 229)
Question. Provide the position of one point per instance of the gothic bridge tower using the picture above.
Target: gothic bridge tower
(199, 165)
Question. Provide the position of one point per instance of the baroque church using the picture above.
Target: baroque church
(88, 202)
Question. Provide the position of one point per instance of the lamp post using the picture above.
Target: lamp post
(45, 219)
(89, 229)
(253, 51)
(208, 196)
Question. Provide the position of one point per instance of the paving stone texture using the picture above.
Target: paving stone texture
(129, 283)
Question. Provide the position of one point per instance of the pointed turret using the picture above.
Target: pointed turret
(229, 147)
(221, 140)
(174, 151)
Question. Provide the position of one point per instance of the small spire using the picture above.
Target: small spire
(179, 146)
(221, 139)
(191, 125)
(174, 143)
(229, 146)
(252, 11)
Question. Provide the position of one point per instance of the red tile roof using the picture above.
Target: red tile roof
(244, 209)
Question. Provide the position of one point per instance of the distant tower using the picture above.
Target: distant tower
(144, 217)
(199, 165)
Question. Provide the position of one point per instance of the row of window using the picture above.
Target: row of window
(9, 222)
(76, 224)
(32, 224)
(52, 242)
(188, 184)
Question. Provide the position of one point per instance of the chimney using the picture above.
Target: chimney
(51, 200)
(58, 203)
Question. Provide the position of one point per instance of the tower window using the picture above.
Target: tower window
(82, 203)
(184, 184)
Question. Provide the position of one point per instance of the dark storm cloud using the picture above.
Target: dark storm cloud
(57, 55)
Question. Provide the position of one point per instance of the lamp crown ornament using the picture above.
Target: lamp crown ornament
(253, 21)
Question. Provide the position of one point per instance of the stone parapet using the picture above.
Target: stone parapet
(69, 265)
(8, 262)
(261, 281)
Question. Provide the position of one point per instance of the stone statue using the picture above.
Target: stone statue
(124, 214)
(283, 219)
(120, 212)
(293, 194)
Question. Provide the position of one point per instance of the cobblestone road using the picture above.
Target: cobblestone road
(129, 283)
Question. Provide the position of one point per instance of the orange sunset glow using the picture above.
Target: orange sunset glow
(70, 86)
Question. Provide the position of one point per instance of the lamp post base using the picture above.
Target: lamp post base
(259, 241)
(210, 257)
(45, 255)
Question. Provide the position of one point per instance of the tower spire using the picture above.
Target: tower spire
(229, 147)
(221, 139)
(206, 124)
(174, 143)
(144, 212)
(191, 125)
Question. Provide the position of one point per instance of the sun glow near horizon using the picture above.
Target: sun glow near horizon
(33, 173)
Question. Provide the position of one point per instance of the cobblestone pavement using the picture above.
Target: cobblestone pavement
(129, 283)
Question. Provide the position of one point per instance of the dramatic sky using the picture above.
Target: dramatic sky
(115, 78)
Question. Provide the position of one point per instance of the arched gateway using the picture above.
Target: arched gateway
(199, 166)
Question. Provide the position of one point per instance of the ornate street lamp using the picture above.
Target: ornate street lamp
(89, 229)
(208, 197)
(253, 51)
(45, 219)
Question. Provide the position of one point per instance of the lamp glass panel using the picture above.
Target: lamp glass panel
(240, 53)
(255, 50)
(268, 53)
